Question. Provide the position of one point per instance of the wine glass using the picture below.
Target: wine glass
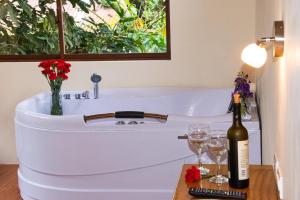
(198, 138)
(217, 151)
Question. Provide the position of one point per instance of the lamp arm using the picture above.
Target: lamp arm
(262, 41)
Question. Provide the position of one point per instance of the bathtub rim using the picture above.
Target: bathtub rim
(26, 117)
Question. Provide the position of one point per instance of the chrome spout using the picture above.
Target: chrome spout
(85, 95)
(95, 78)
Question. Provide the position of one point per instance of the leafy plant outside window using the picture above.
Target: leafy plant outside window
(92, 28)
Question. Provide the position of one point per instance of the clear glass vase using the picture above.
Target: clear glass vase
(56, 105)
(245, 109)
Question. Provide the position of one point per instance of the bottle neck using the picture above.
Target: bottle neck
(237, 120)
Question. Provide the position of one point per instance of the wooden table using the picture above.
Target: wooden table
(262, 184)
(9, 189)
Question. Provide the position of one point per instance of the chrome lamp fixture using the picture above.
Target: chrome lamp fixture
(255, 54)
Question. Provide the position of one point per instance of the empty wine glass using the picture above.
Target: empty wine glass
(198, 138)
(217, 151)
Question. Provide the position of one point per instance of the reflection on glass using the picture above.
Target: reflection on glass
(115, 26)
(198, 138)
(217, 151)
(28, 28)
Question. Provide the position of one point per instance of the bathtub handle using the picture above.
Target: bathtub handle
(129, 114)
(125, 114)
(182, 137)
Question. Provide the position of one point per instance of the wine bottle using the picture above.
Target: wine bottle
(238, 151)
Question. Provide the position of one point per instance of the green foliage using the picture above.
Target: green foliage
(27, 29)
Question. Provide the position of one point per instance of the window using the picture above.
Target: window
(84, 29)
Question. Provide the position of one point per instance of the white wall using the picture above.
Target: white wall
(279, 91)
(207, 38)
(268, 76)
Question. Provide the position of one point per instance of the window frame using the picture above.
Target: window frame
(93, 57)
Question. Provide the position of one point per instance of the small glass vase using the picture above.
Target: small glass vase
(56, 106)
(245, 110)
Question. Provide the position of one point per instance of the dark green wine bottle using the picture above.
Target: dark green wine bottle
(238, 151)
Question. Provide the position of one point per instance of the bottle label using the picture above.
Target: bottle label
(243, 160)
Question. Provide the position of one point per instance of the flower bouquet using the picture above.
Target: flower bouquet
(242, 86)
(192, 174)
(55, 71)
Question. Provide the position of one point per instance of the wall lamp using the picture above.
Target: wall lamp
(255, 54)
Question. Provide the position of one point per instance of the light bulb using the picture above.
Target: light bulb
(254, 55)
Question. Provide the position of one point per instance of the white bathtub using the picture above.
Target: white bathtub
(65, 158)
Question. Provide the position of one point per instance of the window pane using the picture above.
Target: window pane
(115, 26)
(28, 27)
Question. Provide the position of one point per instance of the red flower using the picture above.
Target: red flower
(55, 68)
(45, 64)
(60, 66)
(52, 76)
(192, 175)
(63, 76)
(66, 70)
(63, 68)
(47, 71)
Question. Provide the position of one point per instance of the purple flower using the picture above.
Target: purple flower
(242, 85)
(240, 80)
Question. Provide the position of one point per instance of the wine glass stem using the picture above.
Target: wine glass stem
(219, 166)
(199, 157)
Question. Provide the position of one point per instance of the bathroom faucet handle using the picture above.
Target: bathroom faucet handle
(96, 78)
(77, 96)
(85, 94)
(67, 96)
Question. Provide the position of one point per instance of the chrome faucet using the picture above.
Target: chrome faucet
(95, 78)
(85, 95)
(67, 96)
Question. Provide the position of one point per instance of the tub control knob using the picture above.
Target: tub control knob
(132, 122)
(120, 123)
(67, 96)
(77, 96)
(85, 94)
